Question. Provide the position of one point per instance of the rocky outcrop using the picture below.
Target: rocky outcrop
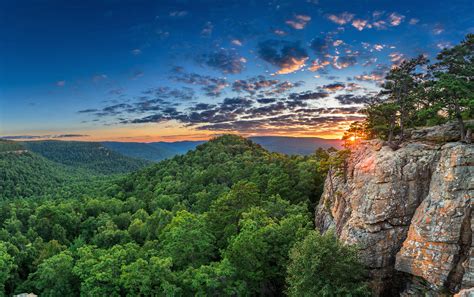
(409, 213)
(438, 247)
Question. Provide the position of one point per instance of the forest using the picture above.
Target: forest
(182, 227)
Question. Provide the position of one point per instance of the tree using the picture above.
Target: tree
(187, 240)
(6, 266)
(398, 95)
(454, 80)
(99, 270)
(320, 265)
(226, 212)
(354, 134)
(54, 276)
(215, 279)
(381, 119)
(149, 278)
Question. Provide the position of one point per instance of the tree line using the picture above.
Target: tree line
(420, 93)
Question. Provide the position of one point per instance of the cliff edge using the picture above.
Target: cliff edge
(409, 212)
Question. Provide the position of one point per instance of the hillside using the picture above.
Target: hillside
(182, 227)
(198, 177)
(145, 151)
(24, 174)
(90, 156)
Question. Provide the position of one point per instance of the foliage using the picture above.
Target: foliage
(90, 156)
(218, 221)
(320, 265)
(416, 93)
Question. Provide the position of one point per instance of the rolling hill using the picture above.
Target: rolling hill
(91, 156)
(146, 151)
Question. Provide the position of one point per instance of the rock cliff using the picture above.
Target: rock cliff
(408, 211)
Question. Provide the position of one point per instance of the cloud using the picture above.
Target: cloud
(207, 29)
(320, 46)
(334, 87)
(351, 87)
(437, 29)
(380, 25)
(225, 60)
(61, 83)
(377, 75)
(90, 110)
(178, 13)
(359, 24)
(378, 47)
(136, 52)
(136, 74)
(253, 85)
(288, 56)
(341, 19)
(347, 99)
(443, 45)
(395, 19)
(413, 21)
(299, 22)
(117, 91)
(279, 32)
(212, 86)
(99, 77)
(236, 42)
(343, 62)
(396, 57)
(308, 95)
(292, 113)
(317, 65)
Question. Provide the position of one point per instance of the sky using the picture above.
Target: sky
(191, 69)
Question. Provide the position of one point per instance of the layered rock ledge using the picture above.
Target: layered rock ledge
(409, 212)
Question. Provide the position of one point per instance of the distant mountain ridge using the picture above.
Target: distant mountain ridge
(157, 151)
(91, 156)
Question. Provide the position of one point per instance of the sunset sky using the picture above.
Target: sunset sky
(174, 70)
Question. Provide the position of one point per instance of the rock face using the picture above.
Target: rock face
(409, 212)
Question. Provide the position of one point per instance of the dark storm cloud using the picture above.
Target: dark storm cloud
(225, 60)
(286, 55)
